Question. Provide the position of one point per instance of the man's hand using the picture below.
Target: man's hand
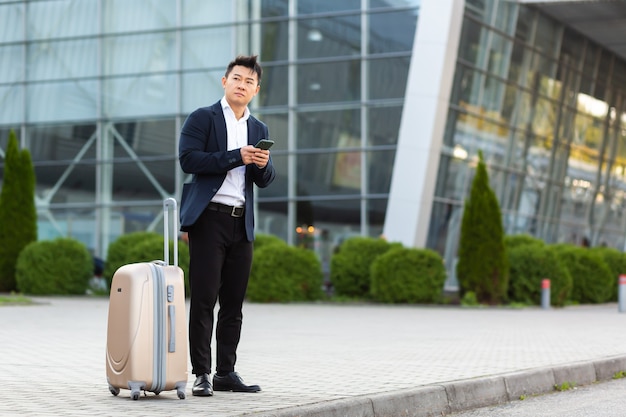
(252, 155)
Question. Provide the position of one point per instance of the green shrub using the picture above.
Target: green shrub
(592, 279)
(18, 215)
(482, 261)
(262, 239)
(529, 265)
(408, 275)
(151, 249)
(513, 241)
(117, 254)
(350, 265)
(61, 266)
(616, 261)
(282, 273)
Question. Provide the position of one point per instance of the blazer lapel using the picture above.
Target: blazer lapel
(253, 132)
(220, 127)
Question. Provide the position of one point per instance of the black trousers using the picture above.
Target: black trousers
(219, 268)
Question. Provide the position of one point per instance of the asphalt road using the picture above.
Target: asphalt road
(602, 399)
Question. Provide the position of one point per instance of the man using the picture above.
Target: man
(217, 147)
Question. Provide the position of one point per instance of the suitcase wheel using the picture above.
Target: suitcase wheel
(181, 394)
(114, 390)
(134, 395)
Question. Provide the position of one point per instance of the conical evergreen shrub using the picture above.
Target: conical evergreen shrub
(18, 214)
(482, 265)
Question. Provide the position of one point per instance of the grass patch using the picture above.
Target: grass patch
(565, 386)
(619, 375)
(14, 299)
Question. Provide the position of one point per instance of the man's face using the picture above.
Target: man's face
(241, 85)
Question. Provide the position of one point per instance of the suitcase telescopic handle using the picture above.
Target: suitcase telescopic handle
(167, 204)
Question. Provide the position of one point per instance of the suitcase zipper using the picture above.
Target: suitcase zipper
(159, 365)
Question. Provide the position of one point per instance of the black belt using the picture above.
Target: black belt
(223, 208)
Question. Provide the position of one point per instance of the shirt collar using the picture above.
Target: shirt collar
(225, 105)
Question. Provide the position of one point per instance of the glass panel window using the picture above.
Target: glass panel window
(11, 68)
(79, 101)
(128, 219)
(375, 4)
(62, 143)
(392, 31)
(498, 55)
(147, 137)
(525, 18)
(471, 38)
(329, 36)
(136, 15)
(379, 167)
(131, 183)
(329, 129)
(49, 19)
(140, 54)
(277, 125)
(200, 53)
(336, 173)
(274, 8)
(140, 96)
(572, 49)
(278, 188)
(274, 86)
(201, 89)
(53, 150)
(329, 82)
(376, 209)
(12, 104)
(274, 37)
(388, 77)
(203, 12)
(312, 7)
(272, 218)
(12, 27)
(383, 125)
(547, 36)
(64, 59)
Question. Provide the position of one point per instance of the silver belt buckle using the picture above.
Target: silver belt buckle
(233, 213)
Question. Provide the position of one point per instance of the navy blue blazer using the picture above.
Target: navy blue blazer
(202, 151)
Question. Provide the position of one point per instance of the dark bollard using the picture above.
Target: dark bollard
(545, 294)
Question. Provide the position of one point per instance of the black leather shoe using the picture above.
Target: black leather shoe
(232, 382)
(202, 386)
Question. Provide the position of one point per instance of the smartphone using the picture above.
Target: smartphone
(264, 144)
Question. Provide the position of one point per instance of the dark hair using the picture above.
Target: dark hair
(248, 62)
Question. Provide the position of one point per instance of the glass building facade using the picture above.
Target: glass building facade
(97, 90)
(547, 108)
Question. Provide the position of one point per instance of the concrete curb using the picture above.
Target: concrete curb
(441, 399)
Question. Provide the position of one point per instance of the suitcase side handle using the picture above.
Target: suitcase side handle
(167, 203)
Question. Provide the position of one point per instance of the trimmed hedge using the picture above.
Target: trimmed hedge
(117, 254)
(151, 249)
(282, 273)
(143, 247)
(531, 263)
(513, 241)
(350, 265)
(262, 239)
(62, 266)
(408, 275)
(591, 276)
(616, 261)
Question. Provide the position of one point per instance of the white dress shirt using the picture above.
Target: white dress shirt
(232, 191)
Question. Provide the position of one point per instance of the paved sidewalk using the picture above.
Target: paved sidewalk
(320, 359)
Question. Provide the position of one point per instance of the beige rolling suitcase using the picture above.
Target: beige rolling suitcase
(147, 324)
